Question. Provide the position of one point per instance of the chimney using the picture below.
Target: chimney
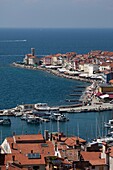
(55, 146)
(107, 158)
(13, 158)
(59, 137)
(46, 135)
(31, 151)
(12, 146)
(77, 141)
(51, 137)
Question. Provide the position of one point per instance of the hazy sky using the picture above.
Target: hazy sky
(56, 13)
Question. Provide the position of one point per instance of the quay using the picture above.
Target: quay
(75, 108)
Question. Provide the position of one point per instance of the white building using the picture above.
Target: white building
(90, 68)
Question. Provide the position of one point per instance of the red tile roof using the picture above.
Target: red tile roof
(30, 138)
(93, 158)
(71, 141)
(23, 159)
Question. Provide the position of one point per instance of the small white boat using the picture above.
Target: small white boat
(42, 107)
(5, 122)
(33, 120)
(24, 117)
(1, 121)
(17, 114)
(109, 124)
(58, 117)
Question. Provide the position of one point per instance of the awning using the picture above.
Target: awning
(104, 96)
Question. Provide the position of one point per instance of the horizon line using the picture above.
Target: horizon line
(56, 27)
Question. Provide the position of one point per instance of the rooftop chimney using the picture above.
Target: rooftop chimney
(12, 145)
(13, 158)
(31, 151)
(46, 135)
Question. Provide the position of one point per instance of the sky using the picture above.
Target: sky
(56, 13)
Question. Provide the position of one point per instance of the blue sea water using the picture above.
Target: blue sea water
(20, 86)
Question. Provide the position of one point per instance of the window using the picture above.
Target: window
(36, 167)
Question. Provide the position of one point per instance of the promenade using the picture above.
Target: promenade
(94, 106)
(52, 71)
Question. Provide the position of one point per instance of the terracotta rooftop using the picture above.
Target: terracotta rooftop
(105, 64)
(23, 159)
(97, 162)
(93, 158)
(46, 148)
(29, 138)
(71, 141)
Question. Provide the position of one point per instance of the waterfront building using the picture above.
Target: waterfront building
(31, 59)
(104, 66)
(105, 88)
(47, 60)
(90, 68)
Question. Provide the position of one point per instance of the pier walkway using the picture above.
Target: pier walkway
(89, 108)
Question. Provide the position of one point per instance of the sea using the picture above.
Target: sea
(23, 86)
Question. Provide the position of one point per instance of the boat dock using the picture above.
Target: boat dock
(72, 100)
(75, 94)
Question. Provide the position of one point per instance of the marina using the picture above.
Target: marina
(24, 86)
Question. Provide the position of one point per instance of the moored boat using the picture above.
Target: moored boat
(5, 122)
(1, 121)
(109, 124)
(58, 117)
(33, 121)
(42, 107)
